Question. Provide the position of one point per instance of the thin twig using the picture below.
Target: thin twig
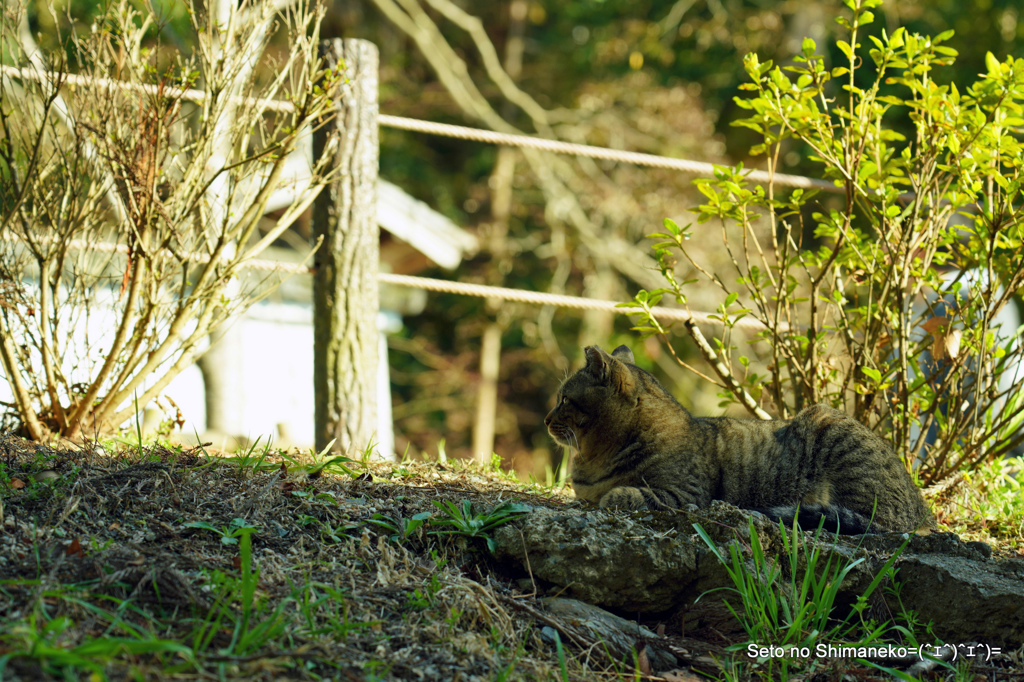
(724, 372)
(577, 637)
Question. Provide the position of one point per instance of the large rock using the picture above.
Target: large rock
(612, 561)
(966, 599)
(647, 562)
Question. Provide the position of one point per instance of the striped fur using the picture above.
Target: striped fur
(636, 447)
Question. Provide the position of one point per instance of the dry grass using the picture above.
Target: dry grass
(130, 562)
(156, 562)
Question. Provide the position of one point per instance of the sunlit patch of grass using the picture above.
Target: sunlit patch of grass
(988, 505)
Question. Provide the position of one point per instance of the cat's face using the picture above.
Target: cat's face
(566, 420)
(592, 397)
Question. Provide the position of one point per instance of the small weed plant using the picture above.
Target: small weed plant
(789, 605)
(455, 519)
(229, 534)
(254, 458)
(460, 519)
(331, 533)
(400, 529)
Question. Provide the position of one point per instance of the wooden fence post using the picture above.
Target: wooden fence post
(345, 298)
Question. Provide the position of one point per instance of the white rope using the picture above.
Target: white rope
(662, 314)
(461, 132)
(189, 94)
(196, 258)
(559, 147)
(560, 301)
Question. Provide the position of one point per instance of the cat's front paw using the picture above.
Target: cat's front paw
(623, 497)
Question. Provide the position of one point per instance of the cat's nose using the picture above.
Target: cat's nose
(547, 420)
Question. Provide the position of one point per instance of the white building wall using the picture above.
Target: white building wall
(274, 373)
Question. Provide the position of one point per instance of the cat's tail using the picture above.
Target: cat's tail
(832, 519)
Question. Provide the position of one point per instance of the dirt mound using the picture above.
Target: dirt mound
(162, 562)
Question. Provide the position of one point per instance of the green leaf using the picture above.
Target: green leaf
(991, 64)
(202, 524)
(339, 463)
(872, 374)
(896, 39)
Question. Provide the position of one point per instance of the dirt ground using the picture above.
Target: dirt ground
(132, 563)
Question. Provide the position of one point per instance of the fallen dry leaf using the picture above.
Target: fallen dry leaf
(288, 486)
(75, 549)
(643, 661)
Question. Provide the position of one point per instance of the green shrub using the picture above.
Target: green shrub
(880, 297)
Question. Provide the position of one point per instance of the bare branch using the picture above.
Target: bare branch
(723, 372)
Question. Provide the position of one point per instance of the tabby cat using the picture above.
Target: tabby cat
(636, 446)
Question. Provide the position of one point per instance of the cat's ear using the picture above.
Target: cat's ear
(625, 354)
(597, 362)
(608, 369)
